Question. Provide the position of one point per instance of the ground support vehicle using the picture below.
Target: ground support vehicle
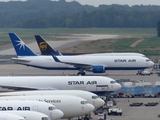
(136, 104)
(114, 110)
(151, 104)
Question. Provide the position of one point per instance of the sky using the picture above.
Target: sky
(96, 3)
(122, 2)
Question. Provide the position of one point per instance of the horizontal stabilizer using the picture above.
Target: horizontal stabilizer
(19, 60)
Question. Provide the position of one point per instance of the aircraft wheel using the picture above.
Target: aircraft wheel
(86, 118)
(81, 73)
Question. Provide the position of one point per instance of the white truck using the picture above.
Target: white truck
(114, 110)
(144, 72)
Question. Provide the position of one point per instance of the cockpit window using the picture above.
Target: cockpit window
(51, 108)
(95, 97)
(147, 60)
(46, 118)
(84, 102)
(112, 82)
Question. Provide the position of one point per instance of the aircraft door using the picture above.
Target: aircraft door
(102, 89)
(110, 87)
(35, 108)
(50, 111)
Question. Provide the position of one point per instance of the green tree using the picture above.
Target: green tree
(158, 28)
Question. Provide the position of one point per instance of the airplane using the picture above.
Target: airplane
(10, 116)
(97, 84)
(29, 115)
(46, 49)
(95, 64)
(71, 106)
(92, 98)
(31, 105)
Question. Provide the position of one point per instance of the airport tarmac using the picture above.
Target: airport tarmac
(16, 70)
(129, 113)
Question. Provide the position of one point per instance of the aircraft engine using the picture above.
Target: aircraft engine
(98, 69)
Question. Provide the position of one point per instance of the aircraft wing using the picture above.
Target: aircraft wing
(77, 65)
(16, 88)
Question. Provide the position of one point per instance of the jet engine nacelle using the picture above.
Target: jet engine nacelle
(98, 69)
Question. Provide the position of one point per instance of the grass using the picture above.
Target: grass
(54, 33)
(149, 45)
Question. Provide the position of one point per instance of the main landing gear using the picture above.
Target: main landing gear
(81, 72)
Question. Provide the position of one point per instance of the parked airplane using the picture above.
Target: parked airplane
(29, 115)
(71, 106)
(46, 49)
(92, 98)
(34, 105)
(10, 116)
(96, 84)
(90, 63)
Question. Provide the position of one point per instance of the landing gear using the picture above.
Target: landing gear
(81, 73)
(86, 117)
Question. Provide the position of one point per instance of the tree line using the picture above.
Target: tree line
(109, 18)
(46, 13)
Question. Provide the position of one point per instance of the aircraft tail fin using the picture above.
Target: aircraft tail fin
(20, 47)
(44, 47)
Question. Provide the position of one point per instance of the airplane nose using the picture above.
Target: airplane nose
(118, 86)
(90, 108)
(100, 103)
(151, 63)
(57, 114)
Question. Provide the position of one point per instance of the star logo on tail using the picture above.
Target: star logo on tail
(21, 44)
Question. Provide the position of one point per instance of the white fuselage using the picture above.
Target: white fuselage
(10, 116)
(109, 62)
(87, 83)
(28, 105)
(29, 115)
(115, 54)
(92, 98)
(71, 106)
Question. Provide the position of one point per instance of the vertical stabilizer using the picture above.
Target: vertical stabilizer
(20, 47)
(44, 47)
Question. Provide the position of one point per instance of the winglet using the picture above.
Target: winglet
(58, 53)
(55, 58)
(44, 47)
(20, 47)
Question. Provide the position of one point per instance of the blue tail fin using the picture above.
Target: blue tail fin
(20, 47)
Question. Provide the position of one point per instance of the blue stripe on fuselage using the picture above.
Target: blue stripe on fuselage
(67, 68)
